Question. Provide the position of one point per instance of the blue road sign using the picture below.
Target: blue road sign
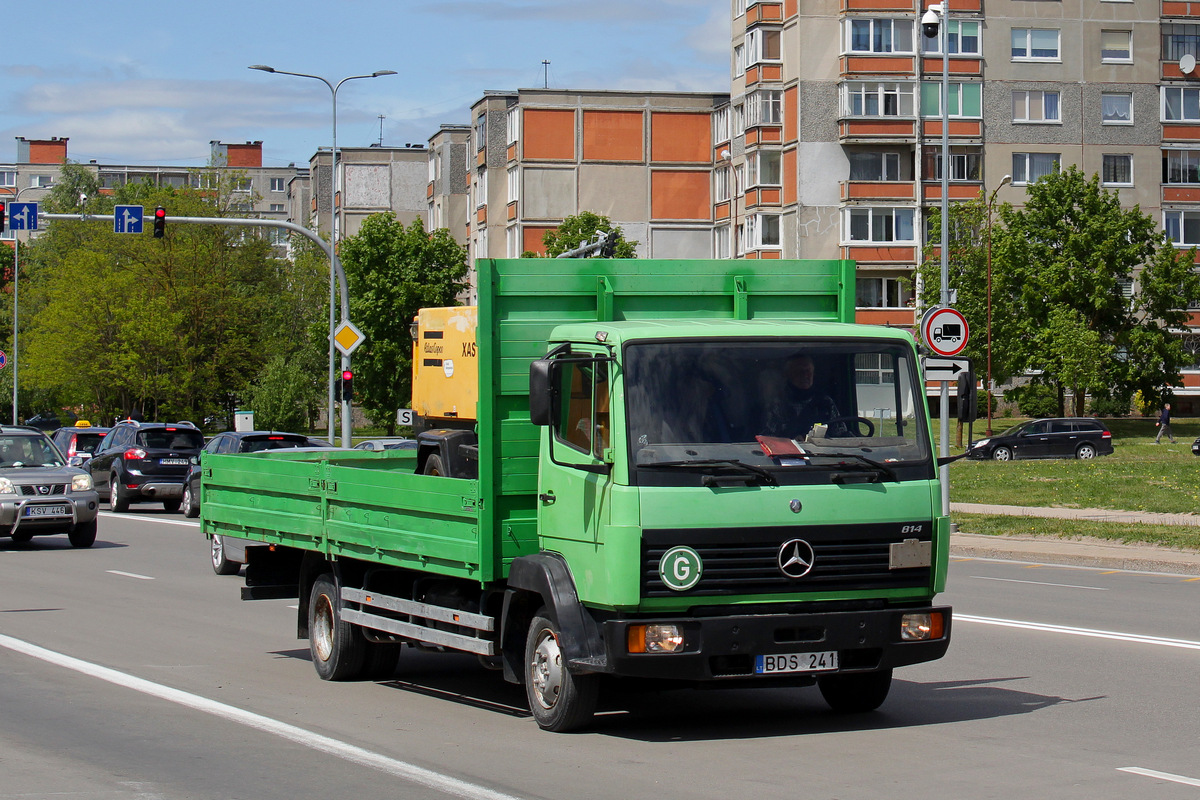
(127, 219)
(23, 216)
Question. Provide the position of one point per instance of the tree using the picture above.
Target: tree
(1073, 247)
(578, 230)
(392, 272)
(280, 396)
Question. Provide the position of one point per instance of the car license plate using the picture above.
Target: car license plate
(173, 462)
(796, 662)
(46, 511)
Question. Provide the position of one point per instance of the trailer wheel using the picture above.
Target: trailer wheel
(338, 650)
(856, 693)
(559, 700)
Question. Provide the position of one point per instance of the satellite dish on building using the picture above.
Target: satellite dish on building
(1187, 63)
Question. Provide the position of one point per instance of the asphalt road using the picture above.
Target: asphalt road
(132, 671)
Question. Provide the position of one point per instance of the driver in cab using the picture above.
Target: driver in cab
(794, 403)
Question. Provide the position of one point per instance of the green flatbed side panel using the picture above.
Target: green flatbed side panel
(522, 300)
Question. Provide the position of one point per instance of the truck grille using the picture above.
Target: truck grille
(739, 561)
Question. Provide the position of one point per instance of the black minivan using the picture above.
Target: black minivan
(1061, 437)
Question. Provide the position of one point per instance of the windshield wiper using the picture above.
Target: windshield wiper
(863, 463)
(765, 475)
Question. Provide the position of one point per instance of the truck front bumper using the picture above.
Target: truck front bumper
(721, 648)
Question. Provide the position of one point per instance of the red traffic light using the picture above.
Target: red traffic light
(347, 375)
(160, 222)
(347, 385)
(3, 208)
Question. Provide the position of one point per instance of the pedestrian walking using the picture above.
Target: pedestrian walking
(1164, 424)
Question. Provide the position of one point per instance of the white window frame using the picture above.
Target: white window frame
(1035, 100)
(1189, 102)
(739, 60)
(278, 185)
(1128, 96)
(880, 219)
(739, 8)
(722, 242)
(1178, 218)
(954, 32)
(721, 183)
(41, 181)
(764, 107)
(1125, 59)
(721, 122)
(514, 184)
(756, 39)
(8, 178)
(764, 231)
(956, 90)
(512, 242)
(889, 285)
(481, 188)
(739, 119)
(876, 25)
(1021, 176)
(754, 168)
(1188, 157)
(905, 93)
(1028, 45)
(889, 164)
(1128, 157)
(512, 124)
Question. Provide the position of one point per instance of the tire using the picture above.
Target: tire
(1085, 451)
(117, 501)
(338, 648)
(856, 692)
(220, 564)
(171, 505)
(1002, 454)
(560, 701)
(433, 465)
(22, 537)
(191, 508)
(83, 534)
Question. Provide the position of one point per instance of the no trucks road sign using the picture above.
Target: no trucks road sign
(944, 331)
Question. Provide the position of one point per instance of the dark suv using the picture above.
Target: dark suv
(145, 462)
(1063, 437)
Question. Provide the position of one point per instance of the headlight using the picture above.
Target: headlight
(922, 627)
(980, 443)
(6, 486)
(655, 639)
(81, 483)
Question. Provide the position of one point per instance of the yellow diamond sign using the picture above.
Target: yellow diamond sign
(346, 337)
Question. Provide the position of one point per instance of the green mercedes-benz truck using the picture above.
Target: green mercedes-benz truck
(699, 472)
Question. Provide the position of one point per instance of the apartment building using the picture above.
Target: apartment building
(644, 160)
(370, 180)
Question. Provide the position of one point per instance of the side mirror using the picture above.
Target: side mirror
(540, 403)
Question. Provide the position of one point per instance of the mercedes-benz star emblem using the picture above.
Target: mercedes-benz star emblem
(795, 505)
(795, 558)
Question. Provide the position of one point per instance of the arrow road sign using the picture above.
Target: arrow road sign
(127, 219)
(946, 369)
(23, 216)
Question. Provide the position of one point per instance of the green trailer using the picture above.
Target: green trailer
(695, 471)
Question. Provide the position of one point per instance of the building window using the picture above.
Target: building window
(1180, 104)
(721, 125)
(874, 166)
(1035, 106)
(721, 247)
(1183, 227)
(1180, 39)
(966, 100)
(882, 293)
(277, 185)
(1116, 46)
(962, 39)
(739, 7)
(1028, 167)
(512, 124)
(41, 181)
(1117, 169)
(878, 35)
(242, 184)
(721, 184)
(872, 99)
(965, 165)
(481, 188)
(762, 44)
(1035, 44)
(481, 131)
(1181, 166)
(764, 168)
(111, 180)
(739, 60)
(514, 185)
(764, 108)
(8, 178)
(879, 225)
(1116, 108)
(277, 208)
(739, 119)
(762, 231)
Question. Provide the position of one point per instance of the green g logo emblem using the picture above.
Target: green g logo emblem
(680, 568)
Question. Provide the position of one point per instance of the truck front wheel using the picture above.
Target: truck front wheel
(559, 700)
(338, 650)
(856, 692)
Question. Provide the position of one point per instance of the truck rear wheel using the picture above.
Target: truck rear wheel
(559, 700)
(338, 649)
(856, 692)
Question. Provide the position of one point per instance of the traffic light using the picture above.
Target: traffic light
(968, 400)
(3, 208)
(160, 222)
(347, 385)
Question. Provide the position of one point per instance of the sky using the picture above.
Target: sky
(153, 83)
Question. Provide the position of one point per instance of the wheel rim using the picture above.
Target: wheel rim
(1086, 452)
(547, 670)
(322, 632)
(114, 493)
(187, 505)
(218, 552)
(1002, 454)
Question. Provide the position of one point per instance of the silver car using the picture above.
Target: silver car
(39, 494)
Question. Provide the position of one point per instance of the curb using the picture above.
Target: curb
(1073, 552)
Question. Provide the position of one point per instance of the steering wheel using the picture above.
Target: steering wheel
(853, 418)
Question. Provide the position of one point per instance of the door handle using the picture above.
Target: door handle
(547, 498)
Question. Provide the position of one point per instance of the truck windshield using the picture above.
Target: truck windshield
(796, 408)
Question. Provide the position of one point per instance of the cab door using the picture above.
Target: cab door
(574, 475)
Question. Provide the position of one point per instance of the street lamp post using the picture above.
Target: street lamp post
(333, 266)
(992, 199)
(16, 317)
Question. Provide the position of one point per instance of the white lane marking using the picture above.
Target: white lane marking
(293, 733)
(129, 574)
(1162, 776)
(146, 518)
(1088, 632)
(1039, 583)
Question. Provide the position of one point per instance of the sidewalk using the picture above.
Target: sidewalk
(1091, 553)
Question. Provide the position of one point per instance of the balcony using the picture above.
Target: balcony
(931, 66)
(877, 190)
(764, 12)
(1180, 9)
(959, 128)
(1180, 132)
(867, 130)
(854, 65)
(931, 191)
